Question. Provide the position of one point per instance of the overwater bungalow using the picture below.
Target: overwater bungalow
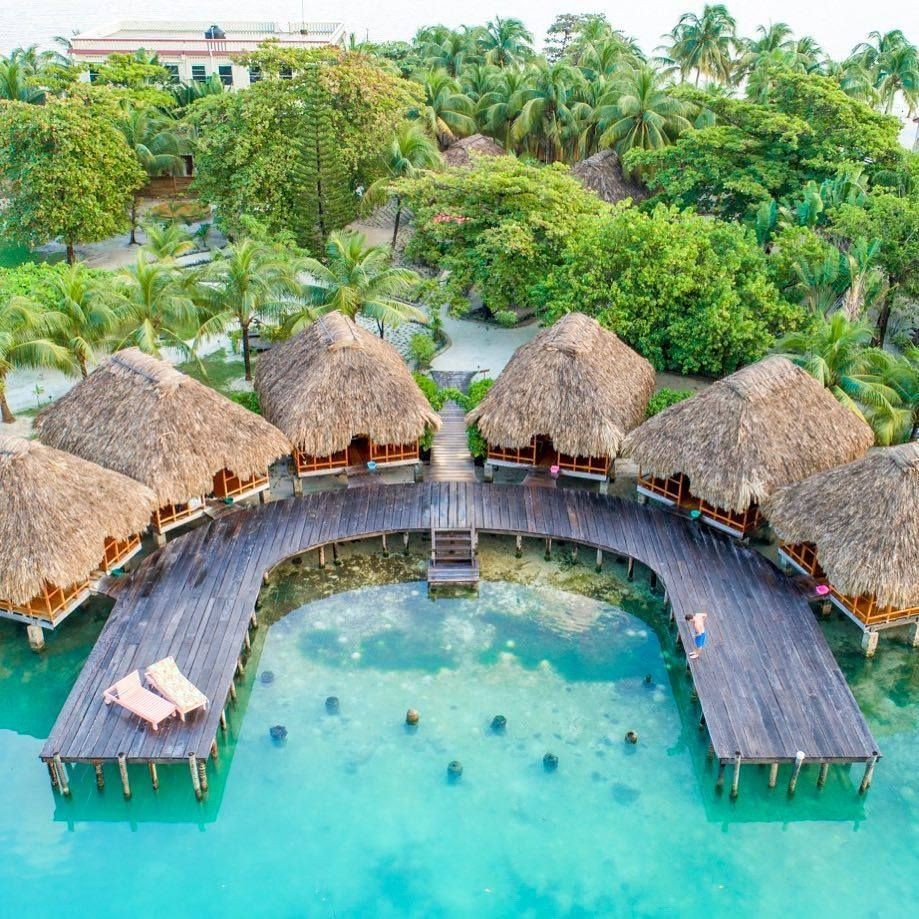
(64, 523)
(855, 529)
(345, 399)
(462, 152)
(722, 452)
(565, 400)
(143, 418)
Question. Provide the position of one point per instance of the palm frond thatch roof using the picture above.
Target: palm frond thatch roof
(335, 381)
(56, 512)
(864, 520)
(576, 383)
(458, 153)
(143, 418)
(602, 174)
(766, 426)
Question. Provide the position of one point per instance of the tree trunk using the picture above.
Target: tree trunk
(246, 357)
(5, 411)
(133, 240)
(83, 371)
(395, 231)
(883, 321)
(71, 253)
(382, 327)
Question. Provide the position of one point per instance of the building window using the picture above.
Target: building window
(173, 72)
(226, 74)
(93, 74)
(197, 73)
(286, 73)
(255, 74)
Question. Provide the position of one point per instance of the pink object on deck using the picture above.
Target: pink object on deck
(821, 590)
(129, 693)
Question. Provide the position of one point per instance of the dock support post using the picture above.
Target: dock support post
(405, 537)
(123, 772)
(195, 779)
(223, 720)
(100, 777)
(247, 641)
(36, 635)
(335, 559)
(63, 780)
(52, 774)
(599, 562)
(574, 553)
(385, 547)
(735, 782)
(215, 753)
(773, 774)
(869, 773)
(159, 539)
(630, 572)
(202, 775)
(793, 781)
(253, 622)
(548, 549)
(869, 642)
(914, 635)
(518, 546)
(298, 486)
(322, 556)
(719, 782)
(240, 667)
(154, 777)
(821, 778)
(652, 580)
(232, 691)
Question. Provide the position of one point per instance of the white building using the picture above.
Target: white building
(193, 51)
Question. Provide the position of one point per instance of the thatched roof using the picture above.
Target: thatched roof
(602, 174)
(576, 383)
(335, 381)
(56, 511)
(768, 425)
(458, 153)
(143, 418)
(864, 520)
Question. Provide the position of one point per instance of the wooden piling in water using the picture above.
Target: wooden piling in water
(518, 546)
(215, 752)
(63, 780)
(735, 782)
(869, 773)
(719, 782)
(202, 775)
(123, 772)
(232, 691)
(598, 565)
(195, 778)
(253, 622)
(223, 720)
(322, 556)
(652, 580)
(773, 774)
(821, 777)
(247, 641)
(385, 547)
(100, 777)
(793, 781)
(52, 774)
(154, 777)
(335, 559)
(548, 549)
(630, 572)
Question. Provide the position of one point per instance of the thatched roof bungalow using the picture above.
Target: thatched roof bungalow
(344, 397)
(63, 523)
(566, 399)
(602, 174)
(856, 528)
(143, 418)
(728, 448)
(461, 153)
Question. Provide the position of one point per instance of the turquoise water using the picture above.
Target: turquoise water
(353, 816)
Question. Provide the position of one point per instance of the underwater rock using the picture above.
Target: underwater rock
(332, 705)
(624, 794)
(631, 737)
(278, 733)
(454, 771)
(267, 677)
(550, 762)
(649, 680)
(412, 716)
(498, 724)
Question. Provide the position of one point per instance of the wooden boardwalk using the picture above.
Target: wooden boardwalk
(450, 457)
(767, 682)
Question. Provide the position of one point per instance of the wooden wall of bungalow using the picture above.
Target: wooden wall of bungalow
(541, 452)
(360, 452)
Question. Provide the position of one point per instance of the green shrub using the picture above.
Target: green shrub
(478, 446)
(247, 400)
(430, 390)
(505, 318)
(664, 398)
(422, 348)
(477, 392)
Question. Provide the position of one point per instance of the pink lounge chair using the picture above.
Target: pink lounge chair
(166, 678)
(129, 693)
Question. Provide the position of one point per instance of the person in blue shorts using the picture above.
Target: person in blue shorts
(697, 622)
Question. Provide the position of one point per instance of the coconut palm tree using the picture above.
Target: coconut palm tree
(499, 107)
(357, 280)
(27, 333)
(448, 49)
(244, 283)
(15, 82)
(898, 72)
(167, 241)
(157, 143)
(703, 43)
(447, 113)
(505, 41)
(83, 302)
(410, 152)
(155, 307)
(640, 112)
(547, 118)
(896, 419)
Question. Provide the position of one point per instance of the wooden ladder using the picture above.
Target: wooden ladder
(453, 560)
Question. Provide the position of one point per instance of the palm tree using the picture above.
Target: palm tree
(896, 419)
(167, 241)
(893, 62)
(449, 50)
(244, 283)
(500, 106)
(27, 340)
(505, 42)
(703, 43)
(641, 113)
(410, 152)
(358, 280)
(15, 85)
(87, 319)
(447, 112)
(547, 118)
(156, 143)
(155, 307)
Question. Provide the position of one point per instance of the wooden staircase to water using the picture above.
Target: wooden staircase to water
(453, 561)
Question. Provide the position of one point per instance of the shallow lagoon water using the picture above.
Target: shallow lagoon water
(352, 815)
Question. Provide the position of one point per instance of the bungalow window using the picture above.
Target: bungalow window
(173, 72)
(255, 74)
(226, 74)
(93, 74)
(286, 73)
(198, 74)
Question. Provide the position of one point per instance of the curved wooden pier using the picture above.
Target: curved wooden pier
(769, 687)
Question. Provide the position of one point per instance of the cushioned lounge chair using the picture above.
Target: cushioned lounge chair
(166, 678)
(130, 693)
